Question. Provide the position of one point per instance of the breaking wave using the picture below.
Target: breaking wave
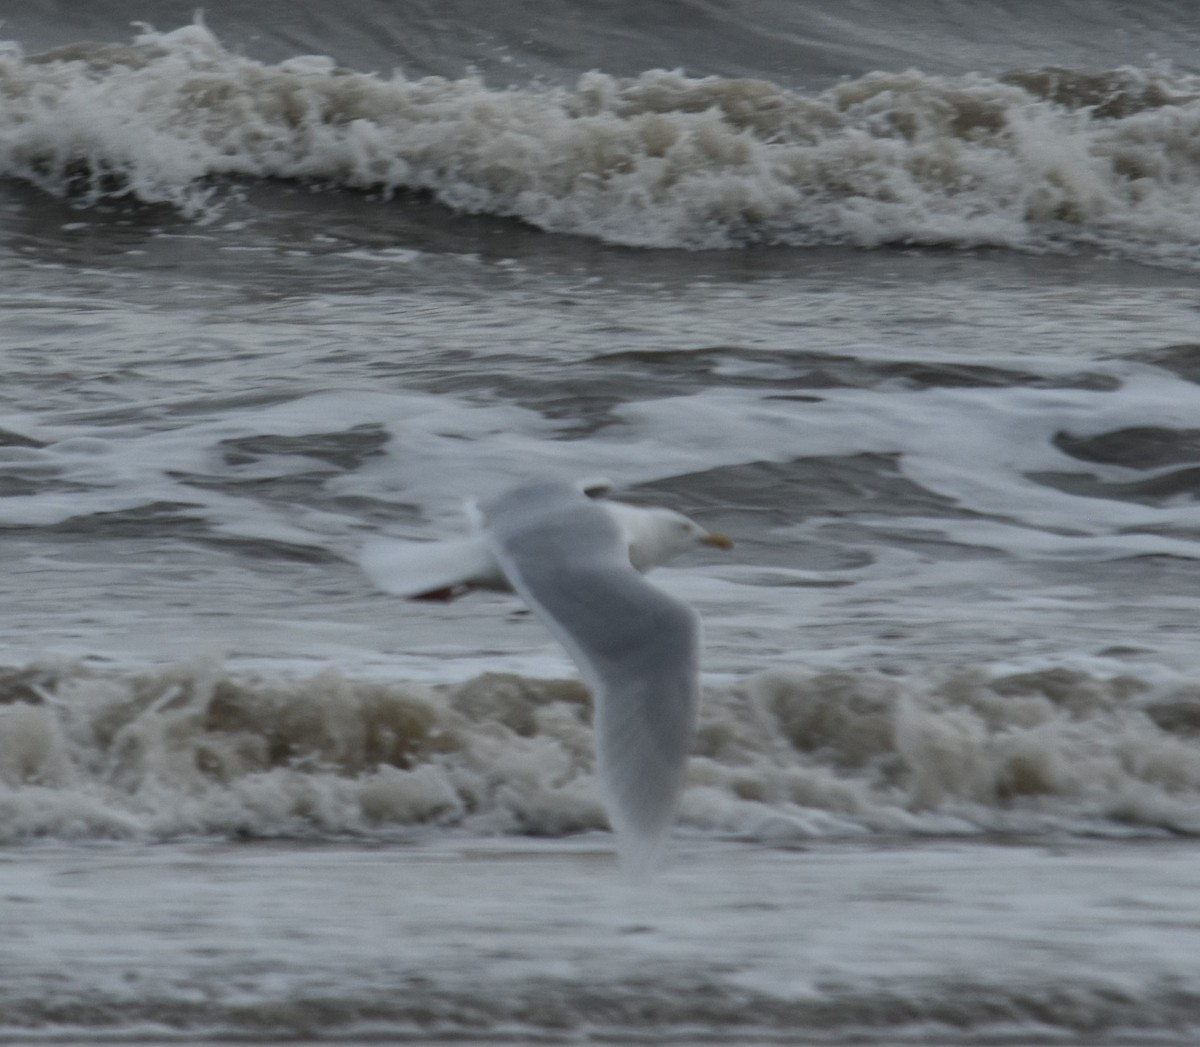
(190, 749)
(1037, 159)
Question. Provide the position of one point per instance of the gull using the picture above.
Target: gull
(577, 561)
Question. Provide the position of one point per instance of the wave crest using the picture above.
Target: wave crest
(1033, 160)
(190, 749)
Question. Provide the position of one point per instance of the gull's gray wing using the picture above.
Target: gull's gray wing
(637, 647)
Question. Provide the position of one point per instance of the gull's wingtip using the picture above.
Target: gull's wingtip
(640, 855)
(596, 486)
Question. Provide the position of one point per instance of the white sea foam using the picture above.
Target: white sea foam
(1032, 161)
(986, 452)
(787, 753)
(1041, 551)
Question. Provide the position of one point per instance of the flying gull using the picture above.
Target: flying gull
(577, 561)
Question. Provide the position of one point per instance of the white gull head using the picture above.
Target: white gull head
(656, 535)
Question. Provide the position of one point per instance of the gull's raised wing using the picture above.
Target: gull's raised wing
(637, 647)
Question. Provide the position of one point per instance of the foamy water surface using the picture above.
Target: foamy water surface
(539, 942)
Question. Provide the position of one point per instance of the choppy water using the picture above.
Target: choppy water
(906, 305)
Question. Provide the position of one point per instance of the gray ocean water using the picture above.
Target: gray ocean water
(904, 301)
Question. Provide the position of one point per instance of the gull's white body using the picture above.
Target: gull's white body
(577, 563)
(450, 568)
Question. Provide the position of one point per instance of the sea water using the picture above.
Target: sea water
(905, 305)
